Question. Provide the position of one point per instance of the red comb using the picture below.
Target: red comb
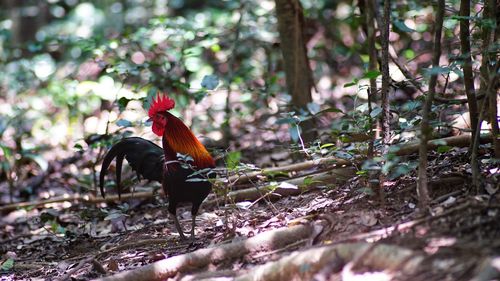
(161, 103)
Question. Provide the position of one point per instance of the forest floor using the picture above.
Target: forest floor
(457, 238)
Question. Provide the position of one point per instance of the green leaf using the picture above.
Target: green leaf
(49, 215)
(286, 120)
(7, 264)
(115, 214)
(233, 160)
(343, 155)
(436, 70)
(439, 142)
(353, 83)
(78, 147)
(122, 103)
(124, 123)
(6, 151)
(463, 17)
(210, 82)
(409, 54)
(402, 26)
(309, 180)
(39, 160)
(443, 148)
(193, 51)
(371, 74)
(331, 109)
(199, 95)
(149, 99)
(326, 145)
(314, 108)
(294, 132)
(375, 112)
(362, 172)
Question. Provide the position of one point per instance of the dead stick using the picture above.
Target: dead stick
(276, 191)
(289, 168)
(68, 274)
(90, 199)
(455, 141)
(130, 245)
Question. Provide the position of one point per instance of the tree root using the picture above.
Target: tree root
(303, 265)
(199, 259)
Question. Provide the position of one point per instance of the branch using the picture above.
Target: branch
(76, 198)
(289, 168)
(455, 141)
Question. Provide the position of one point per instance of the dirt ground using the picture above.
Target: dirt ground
(458, 236)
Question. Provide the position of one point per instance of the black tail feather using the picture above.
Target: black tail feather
(145, 157)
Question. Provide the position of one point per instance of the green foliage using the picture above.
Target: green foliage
(100, 60)
(233, 160)
(116, 214)
(7, 265)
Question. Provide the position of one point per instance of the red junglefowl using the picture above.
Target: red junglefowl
(182, 180)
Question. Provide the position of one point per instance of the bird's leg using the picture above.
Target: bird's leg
(193, 223)
(179, 228)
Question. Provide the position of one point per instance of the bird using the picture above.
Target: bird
(183, 165)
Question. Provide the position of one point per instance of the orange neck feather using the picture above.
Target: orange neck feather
(180, 139)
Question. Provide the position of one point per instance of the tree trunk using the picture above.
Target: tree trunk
(488, 73)
(386, 78)
(425, 129)
(467, 64)
(293, 47)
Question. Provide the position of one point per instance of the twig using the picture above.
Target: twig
(68, 274)
(286, 248)
(77, 198)
(133, 244)
(388, 231)
(446, 196)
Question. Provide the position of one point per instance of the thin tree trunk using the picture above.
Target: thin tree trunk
(425, 130)
(226, 125)
(372, 65)
(487, 73)
(368, 9)
(467, 63)
(293, 47)
(386, 78)
(384, 42)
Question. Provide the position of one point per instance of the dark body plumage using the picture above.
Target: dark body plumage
(180, 182)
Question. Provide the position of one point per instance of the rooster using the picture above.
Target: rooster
(183, 166)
